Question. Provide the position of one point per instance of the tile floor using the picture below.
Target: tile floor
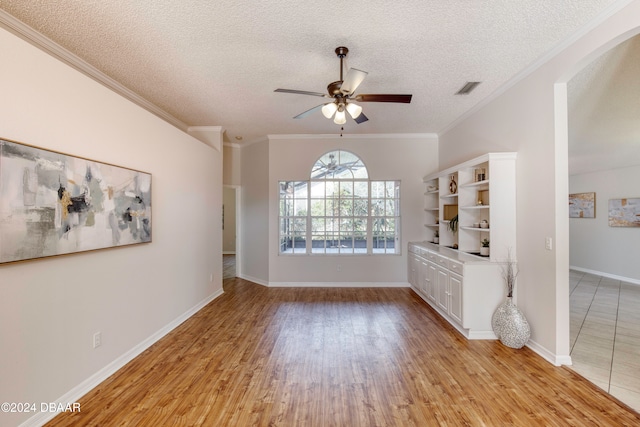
(605, 334)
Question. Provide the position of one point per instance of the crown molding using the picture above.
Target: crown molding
(354, 136)
(50, 47)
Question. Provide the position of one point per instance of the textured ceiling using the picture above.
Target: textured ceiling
(604, 111)
(216, 63)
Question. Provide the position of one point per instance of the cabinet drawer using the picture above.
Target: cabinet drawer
(440, 260)
(455, 267)
(432, 257)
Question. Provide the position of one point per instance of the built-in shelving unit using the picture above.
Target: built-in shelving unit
(481, 194)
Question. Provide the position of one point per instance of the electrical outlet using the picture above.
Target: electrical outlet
(548, 243)
(97, 339)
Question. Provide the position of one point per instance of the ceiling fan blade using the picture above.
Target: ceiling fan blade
(352, 80)
(403, 99)
(302, 92)
(361, 118)
(309, 111)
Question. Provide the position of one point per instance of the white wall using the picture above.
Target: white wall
(229, 231)
(254, 263)
(50, 308)
(530, 118)
(594, 245)
(404, 157)
(232, 165)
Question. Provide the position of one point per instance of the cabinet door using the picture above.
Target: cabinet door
(442, 289)
(455, 294)
(432, 278)
(412, 270)
(424, 276)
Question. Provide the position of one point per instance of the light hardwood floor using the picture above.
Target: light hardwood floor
(260, 356)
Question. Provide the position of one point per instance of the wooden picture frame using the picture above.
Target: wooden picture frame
(53, 203)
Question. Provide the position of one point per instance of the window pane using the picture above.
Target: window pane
(360, 207)
(300, 190)
(331, 189)
(390, 208)
(390, 187)
(346, 188)
(317, 207)
(377, 207)
(317, 225)
(361, 189)
(331, 208)
(301, 207)
(300, 225)
(338, 165)
(346, 207)
(317, 190)
(377, 189)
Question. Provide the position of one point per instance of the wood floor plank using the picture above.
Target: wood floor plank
(260, 356)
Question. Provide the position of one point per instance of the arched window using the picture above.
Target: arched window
(339, 210)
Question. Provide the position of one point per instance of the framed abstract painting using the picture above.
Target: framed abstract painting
(582, 205)
(624, 212)
(53, 204)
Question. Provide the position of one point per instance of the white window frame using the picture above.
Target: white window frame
(291, 224)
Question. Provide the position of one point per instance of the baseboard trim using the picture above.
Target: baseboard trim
(94, 380)
(338, 285)
(607, 275)
(254, 280)
(482, 335)
(554, 359)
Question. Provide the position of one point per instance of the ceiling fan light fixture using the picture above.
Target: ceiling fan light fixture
(328, 110)
(354, 109)
(340, 117)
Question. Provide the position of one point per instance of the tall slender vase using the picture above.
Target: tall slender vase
(510, 325)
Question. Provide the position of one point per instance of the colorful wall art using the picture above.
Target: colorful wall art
(624, 212)
(53, 204)
(582, 205)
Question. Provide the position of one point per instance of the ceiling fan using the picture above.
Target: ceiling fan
(343, 94)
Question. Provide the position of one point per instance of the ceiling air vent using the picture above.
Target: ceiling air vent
(467, 88)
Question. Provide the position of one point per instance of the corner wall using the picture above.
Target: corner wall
(527, 118)
(50, 308)
(254, 221)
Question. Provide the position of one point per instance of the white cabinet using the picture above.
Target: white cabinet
(442, 293)
(479, 191)
(462, 288)
(455, 297)
(432, 271)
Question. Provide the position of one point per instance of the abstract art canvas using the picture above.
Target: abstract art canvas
(624, 212)
(582, 205)
(53, 204)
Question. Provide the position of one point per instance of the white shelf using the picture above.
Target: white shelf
(475, 207)
(475, 228)
(484, 183)
(432, 225)
(431, 209)
(431, 192)
(449, 196)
